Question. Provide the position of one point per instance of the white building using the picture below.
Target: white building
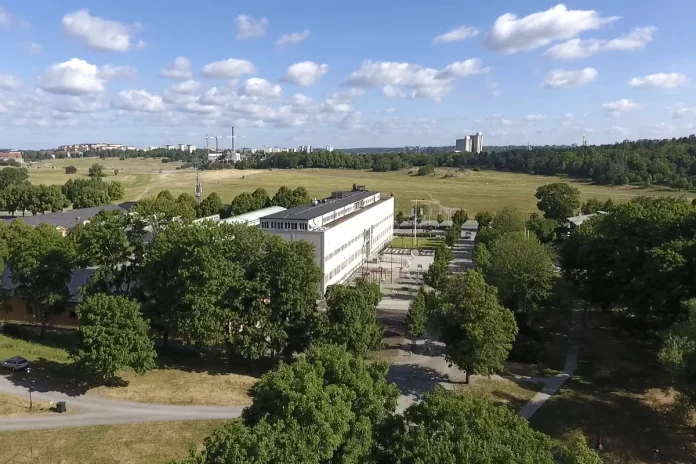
(329, 148)
(182, 147)
(253, 218)
(477, 142)
(470, 143)
(345, 229)
(464, 144)
(190, 148)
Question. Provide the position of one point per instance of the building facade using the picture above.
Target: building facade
(470, 143)
(346, 229)
(477, 142)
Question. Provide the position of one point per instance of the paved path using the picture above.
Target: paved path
(555, 382)
(102, 411)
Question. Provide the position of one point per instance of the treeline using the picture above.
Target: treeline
(17, 194)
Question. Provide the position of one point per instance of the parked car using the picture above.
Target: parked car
(17, 363)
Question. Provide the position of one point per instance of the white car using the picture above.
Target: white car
(16, 364)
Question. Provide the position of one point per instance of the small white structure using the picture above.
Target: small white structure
(577, 221)
(346, 229)
(253, 218)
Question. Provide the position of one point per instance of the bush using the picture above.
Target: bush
(526, 350)
(425, 170)
(476, 168)
(13, 330)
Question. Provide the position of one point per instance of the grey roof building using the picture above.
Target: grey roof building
(65, 220)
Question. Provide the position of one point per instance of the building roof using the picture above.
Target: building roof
(65, 219)
(309, 211)
(253, 215)
(127, 205)
(578, 220)
(79, 278)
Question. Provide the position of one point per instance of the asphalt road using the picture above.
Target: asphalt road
(101, 411)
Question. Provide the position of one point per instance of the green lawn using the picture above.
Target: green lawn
(424, 243)
(471, 190)
(144, 443)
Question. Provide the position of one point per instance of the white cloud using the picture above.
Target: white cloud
(109, 72)
(618, 130)
(637, 39)
(305, 73)
(455, 35)
(292, 38)
(391, 91)
(423, 82)
(180, 68)
(248, 27)
(470, 67)
(261, 88)
(511, 34)
(230, 68)
(534, 117)
(97, 33)
(562, 79)
(682, 110)
(660, 81)
(8, 81)
(32, 48)
(139, 100)
(186, 87)
(5, 18)
(617, 108)
(301, 100)
(349, 95)
(84, 104)
(73, 77)
(567, 119)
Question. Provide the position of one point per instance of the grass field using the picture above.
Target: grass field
(473, 191)
(426, 243)
(15, 406)
(146, 443)
(193, 382)
(618, 391)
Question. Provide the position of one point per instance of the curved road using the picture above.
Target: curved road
(102, 411)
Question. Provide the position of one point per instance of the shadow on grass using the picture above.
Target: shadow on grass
(415, 380)
(611, 395)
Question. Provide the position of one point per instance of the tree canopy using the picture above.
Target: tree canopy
(558, 201)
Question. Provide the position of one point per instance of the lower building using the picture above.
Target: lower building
(253, 218)
(346, 229)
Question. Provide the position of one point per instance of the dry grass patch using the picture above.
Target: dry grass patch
(11, 405)
(174, 386)
(154, 442)
(501, 391)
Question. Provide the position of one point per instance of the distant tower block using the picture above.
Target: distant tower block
(233, 139)
(584, 140)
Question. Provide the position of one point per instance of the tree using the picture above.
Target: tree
(112, 336)
(436, 275)
(506, 220)
(300, 196)
(284, 197)
(483, 218)
(574, 450)
(477, 331)
(13, 176)
(447, 427)
(544, 229)
(440, 218)
(70, 170)
(84, 193)
(212, 204)
(417, 317)
(187, 201)
(113, 243)
(115, 172)
(459, 218)
(260, 199)
(481, 257)
(678, 352)
(452, 235)
(352, 317)
(96, 170)
(522, 270)
(591, 206)
(89, 197)
(163, 209)
(558, 201)
(116, 191)
(400, 218)
(425, 170)
(41, 263)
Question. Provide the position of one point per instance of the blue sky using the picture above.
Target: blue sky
(347, 74)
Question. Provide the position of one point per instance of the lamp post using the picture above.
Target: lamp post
(30, 402)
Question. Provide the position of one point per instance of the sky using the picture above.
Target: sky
(347, 74)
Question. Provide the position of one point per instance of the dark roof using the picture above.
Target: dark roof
(309, 211)
(127, 205)
(66, 219)
(80, 277)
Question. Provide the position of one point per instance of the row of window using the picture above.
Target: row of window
(385, 219)
(335, 271)
(388, 230)
(284, 225)
(343, 247)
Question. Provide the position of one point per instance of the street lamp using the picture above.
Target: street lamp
(30, 402)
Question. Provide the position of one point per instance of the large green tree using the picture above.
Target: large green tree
(477, 331)
(523, 270)
(436, 275)
(558, 201)
(96, 170)
(678, 352)
(417, 317)
(212, 204)
(41, 264)
(13, 176)
(483, 218)
(112, 336)
(448, 428)
(352, 316)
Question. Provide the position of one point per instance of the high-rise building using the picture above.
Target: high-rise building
(329, 148)
(464, 144)
(477, 142)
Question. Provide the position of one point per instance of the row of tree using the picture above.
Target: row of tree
(330, 406)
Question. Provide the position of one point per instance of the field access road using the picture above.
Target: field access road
(92, 410)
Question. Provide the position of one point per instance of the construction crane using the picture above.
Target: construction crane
(216, 137)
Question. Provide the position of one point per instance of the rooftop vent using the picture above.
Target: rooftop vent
(315, 202)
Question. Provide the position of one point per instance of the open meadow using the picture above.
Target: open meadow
(471, 190)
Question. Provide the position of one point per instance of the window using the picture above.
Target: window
(7, 307)
(294, 226)
(286, 225)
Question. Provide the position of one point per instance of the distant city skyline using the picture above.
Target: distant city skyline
(371, 76)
